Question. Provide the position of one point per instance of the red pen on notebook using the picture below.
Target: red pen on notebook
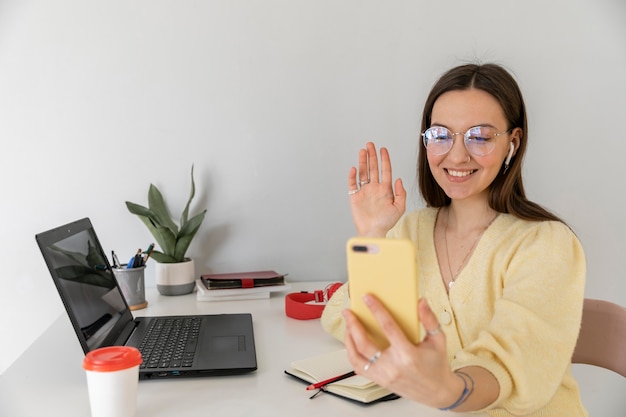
(330, 380)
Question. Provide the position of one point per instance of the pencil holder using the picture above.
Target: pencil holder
(131, 281)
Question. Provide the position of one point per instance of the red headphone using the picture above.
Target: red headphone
(297, 307)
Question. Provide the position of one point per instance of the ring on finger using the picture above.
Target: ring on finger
(434, 332)
(367, 181)
(372, 360)
(350, 192)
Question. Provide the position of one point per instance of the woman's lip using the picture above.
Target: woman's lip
(459, 173)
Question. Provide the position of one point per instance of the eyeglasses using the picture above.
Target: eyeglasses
(479, 140)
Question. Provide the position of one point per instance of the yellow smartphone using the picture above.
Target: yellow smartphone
(386, 268)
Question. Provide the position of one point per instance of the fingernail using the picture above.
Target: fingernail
(367, 299)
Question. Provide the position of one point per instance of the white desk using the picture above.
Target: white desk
(48, 379)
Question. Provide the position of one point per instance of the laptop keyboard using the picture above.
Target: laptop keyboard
(170, 342)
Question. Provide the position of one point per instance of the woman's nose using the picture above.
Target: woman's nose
(458, 153)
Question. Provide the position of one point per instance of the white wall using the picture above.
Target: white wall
(271, 101)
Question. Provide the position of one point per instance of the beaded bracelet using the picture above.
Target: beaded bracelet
(465, 394)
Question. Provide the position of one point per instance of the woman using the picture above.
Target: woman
(502, 279)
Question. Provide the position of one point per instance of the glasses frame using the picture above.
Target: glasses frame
(466, 139)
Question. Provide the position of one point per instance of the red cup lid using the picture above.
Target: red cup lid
(112, 358)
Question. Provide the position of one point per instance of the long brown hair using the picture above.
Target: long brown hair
(506, 192)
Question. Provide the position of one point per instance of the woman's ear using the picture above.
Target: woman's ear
(516, 138)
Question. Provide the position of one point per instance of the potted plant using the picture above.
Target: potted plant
(175, 273)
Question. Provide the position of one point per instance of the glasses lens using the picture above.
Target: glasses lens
(438, 140)
(480, 140)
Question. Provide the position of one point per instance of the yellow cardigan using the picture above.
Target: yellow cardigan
(515, 309)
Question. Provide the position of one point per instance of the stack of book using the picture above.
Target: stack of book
(239, 285)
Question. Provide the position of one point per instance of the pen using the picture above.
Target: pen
(137, 260)
(148, 253)
(330, 380)
(116, 262)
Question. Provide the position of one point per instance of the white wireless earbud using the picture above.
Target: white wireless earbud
(509, 156)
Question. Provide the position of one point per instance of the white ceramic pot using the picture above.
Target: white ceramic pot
(177, 278)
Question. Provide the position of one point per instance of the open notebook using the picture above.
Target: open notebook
(328, 365)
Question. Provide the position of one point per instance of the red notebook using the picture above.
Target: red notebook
(242, 280)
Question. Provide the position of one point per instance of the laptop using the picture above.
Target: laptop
(206, 345)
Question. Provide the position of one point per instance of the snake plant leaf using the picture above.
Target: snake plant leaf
(186, 235)
(138, 209)
(162, 258)
(144, 212)
(147, 217)
(158, 207)
(166, 238)
(185, 215)
(163, 236)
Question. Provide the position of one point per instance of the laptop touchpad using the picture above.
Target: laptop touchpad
(227, 343)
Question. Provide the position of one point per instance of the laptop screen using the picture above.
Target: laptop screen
(87, 286)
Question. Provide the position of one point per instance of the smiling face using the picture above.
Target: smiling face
(459, 173)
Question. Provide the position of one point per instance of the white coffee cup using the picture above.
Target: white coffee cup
(112, 379)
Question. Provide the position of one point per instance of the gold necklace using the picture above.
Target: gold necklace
(454, 276)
